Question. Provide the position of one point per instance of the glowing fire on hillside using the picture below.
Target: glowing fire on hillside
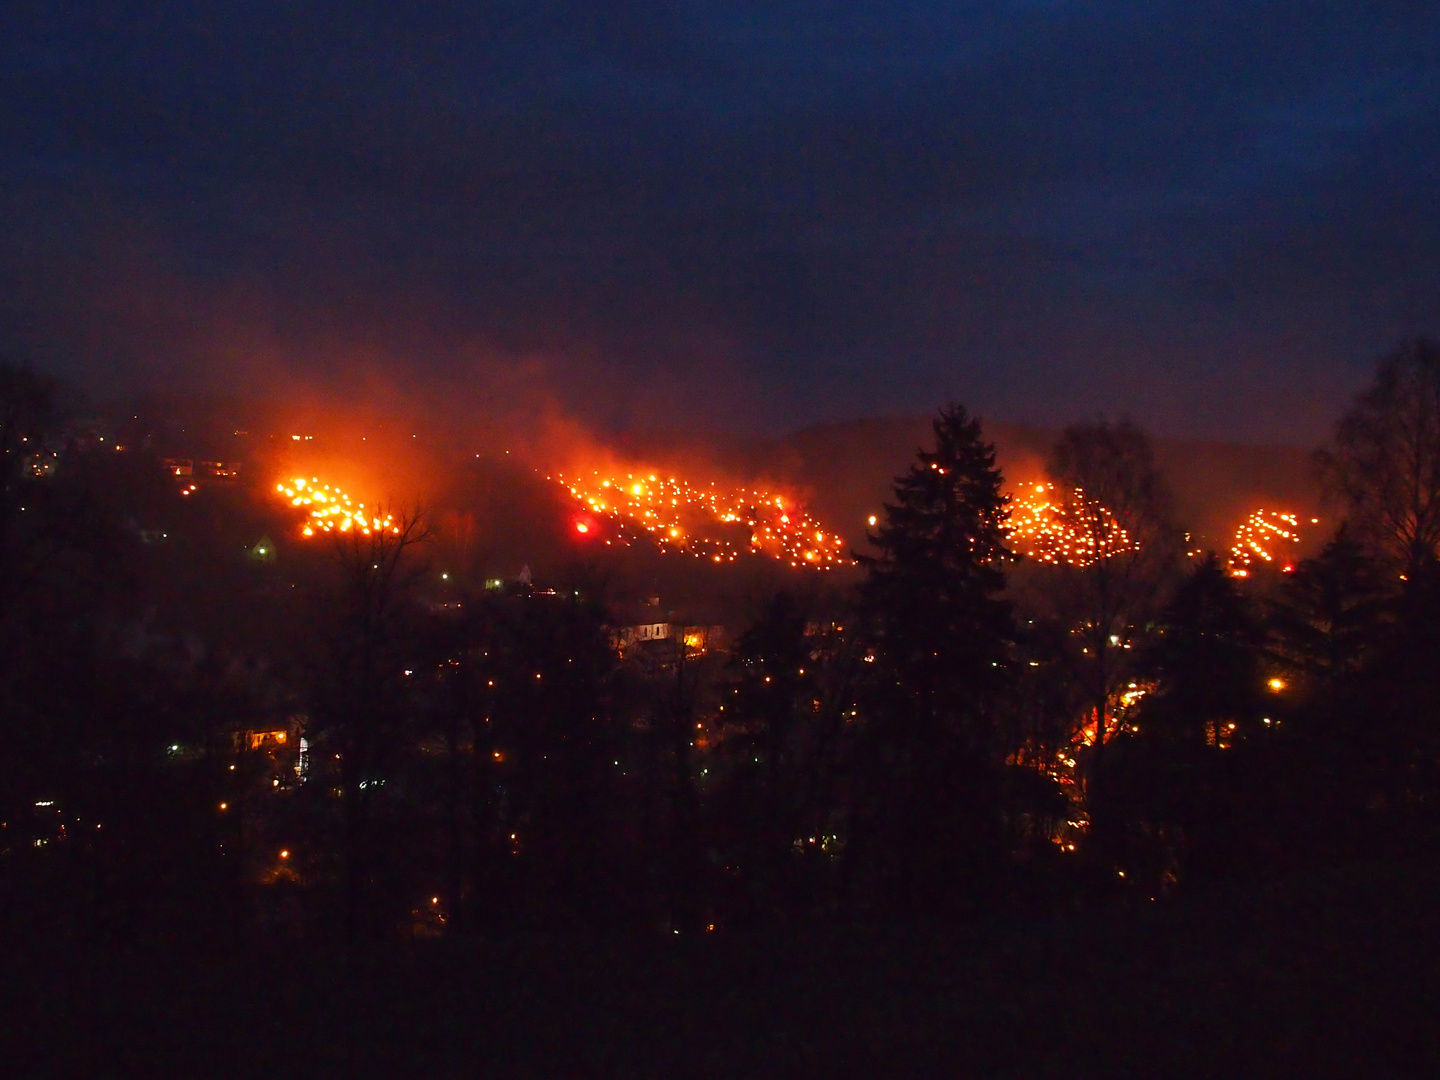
(721, 524)
(1265, 537)
(1045, 527)
(330, 510)
(708, 522)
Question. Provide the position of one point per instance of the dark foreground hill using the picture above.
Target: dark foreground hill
(1337, 975)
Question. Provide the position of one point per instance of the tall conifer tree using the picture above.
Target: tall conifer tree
(941, 631)
(940, 639)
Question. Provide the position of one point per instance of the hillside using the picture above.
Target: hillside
(847, 467)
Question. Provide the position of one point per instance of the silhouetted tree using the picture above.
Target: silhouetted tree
(1039, 712)
(1384, 459)
(940, 635)
(1172, 795)
(1114, 498)
(1330, 613)
(1339, 638)
(1387, 738)
(359, 705)
(1204, 658)
(771, 713)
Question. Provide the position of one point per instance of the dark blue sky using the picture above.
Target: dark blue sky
(1213, 216)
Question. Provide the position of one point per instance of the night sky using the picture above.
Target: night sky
(733, 216)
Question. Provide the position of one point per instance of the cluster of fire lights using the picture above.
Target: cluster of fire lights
(722, 524)
(707, 521)
(328, 509)
(1050, 529)
(1267, 537)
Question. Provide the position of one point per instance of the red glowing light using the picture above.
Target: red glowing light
(582, 526)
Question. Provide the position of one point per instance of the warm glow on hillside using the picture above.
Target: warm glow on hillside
(1049, 529)
(707, 521)
(329, 509)
(1267, 537)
